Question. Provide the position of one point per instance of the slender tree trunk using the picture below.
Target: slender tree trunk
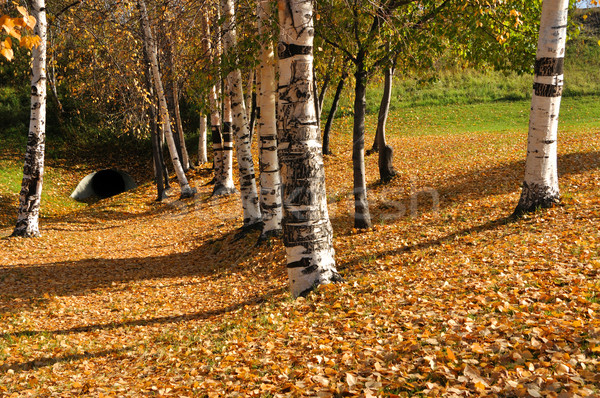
(33, 171)
(166, 62)
(222, 186)
(52, 78)
(332, 111)
(253, 113)
(184, 153)
(326, 82)
(386, 153)
(161, 140)
(186, 190)
(362, 217)
(540, 185)
(248, 94)
(270, 180)
(250, 202)
(154, 135)
(202, 155)
(307, 232)
(156, 150)
(225, 186)
(316, 98)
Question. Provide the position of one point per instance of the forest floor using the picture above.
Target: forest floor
(443, 297)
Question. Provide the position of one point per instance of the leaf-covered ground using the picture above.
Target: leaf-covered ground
(443, 297)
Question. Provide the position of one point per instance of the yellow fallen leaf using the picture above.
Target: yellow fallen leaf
(450, 354)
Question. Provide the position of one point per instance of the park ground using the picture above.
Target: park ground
(444, 296)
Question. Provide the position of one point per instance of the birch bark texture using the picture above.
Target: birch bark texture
(270, 180)
(226, 185)
(27, 225)
(202, 155)
(241, 132)
(540, 185)
(186, 190)
(307, 232)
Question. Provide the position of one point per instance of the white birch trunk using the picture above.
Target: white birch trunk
(540, 185)
(186, 163)
(307, 232)
(33, 171)
(226, 185)
(186, 190)
(248, 94)
(249, 194)
(270, 180)
(202, 155)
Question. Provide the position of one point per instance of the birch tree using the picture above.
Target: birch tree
(248, 191)
(33, 170)
(225, 186)
(270, 180)
(307, 232)
(186, 190)
(202, 155)
(540, 186)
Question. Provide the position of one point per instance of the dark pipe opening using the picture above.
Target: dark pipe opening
(106, 183)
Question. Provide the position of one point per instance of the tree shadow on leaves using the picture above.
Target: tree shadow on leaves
(403, 197)
(30, 286)
(488, 226)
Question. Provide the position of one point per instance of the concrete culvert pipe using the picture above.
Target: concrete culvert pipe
(103, 184)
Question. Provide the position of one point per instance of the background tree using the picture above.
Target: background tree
(186, 190)
(248, 191)
(270, 180)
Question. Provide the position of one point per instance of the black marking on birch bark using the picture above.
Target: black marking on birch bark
(314, 235)
(273, 206)
(310, 269)
(304, 262)
(549, 66)
(216, 135)
(285, 50)
(560, 27)
(548, 142)
(547, 90)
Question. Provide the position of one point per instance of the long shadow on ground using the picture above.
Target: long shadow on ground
(24, 287)
(503, 179)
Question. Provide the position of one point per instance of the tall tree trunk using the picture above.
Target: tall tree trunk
(332, 111)
(225, 186)
(202, 155)
(186, 190)
(250, 202)
(325, 85)
(184, 153)
(270, 180)
(248, 94)
(316, 98)
(33, 171)
(540, 186)
(166, 62)
(159, 173)
(156, 156)
(253, 113)
(222, 186)
(307, 232)
(386, 153)
(362, 217)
